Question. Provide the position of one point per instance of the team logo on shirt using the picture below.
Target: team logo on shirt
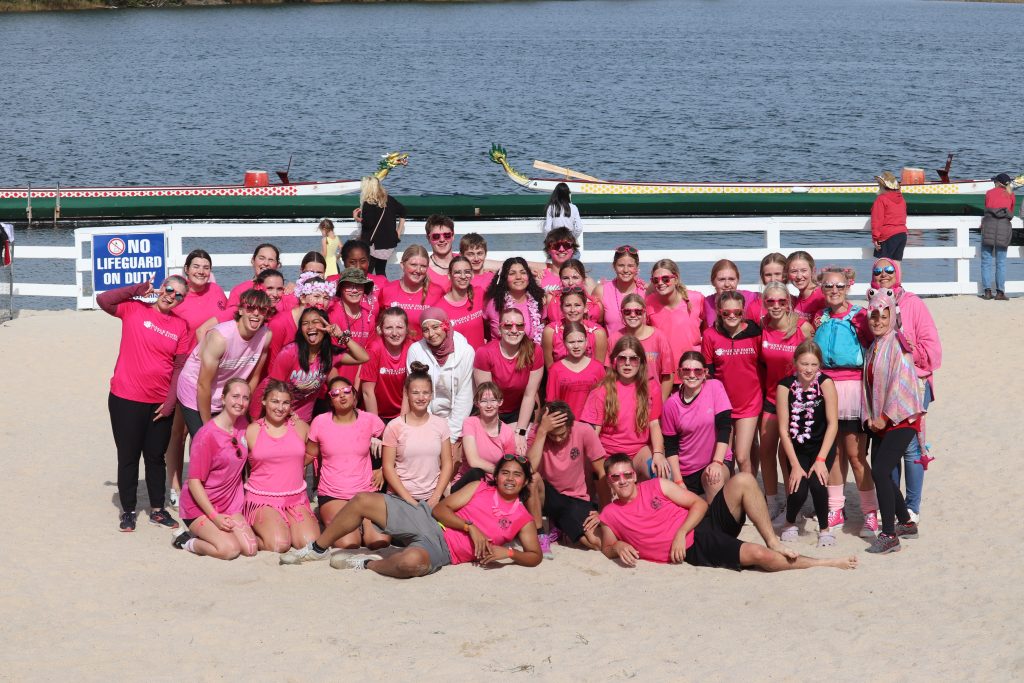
(148, 324)
(504, 523)
(657, 503)
(743, 351)
(574, 453)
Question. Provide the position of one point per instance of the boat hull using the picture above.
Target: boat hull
(578, 187)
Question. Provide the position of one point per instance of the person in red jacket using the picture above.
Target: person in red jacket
(889, 219)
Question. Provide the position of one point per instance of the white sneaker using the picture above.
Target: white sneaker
(343, 561)
(305, 554)
(914, 516)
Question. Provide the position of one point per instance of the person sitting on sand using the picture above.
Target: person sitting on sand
(660, 521)
(472, 525)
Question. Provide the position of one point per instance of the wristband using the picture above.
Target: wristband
(510, 554)
(677, 481)
(819, 459)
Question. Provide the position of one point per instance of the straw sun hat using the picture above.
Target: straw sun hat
(888, 181)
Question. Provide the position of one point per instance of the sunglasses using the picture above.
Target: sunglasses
(833, 285)
(662, 279)
(441, 236)
(573, 289)
(626, 249)
(563, 245)
(513, 327)
(257, 310)
(521, 459)
(691, 372)
(627, 360)
(344, 391)
(632, 311)
(178, 296)
(622, 476)
(732, 313)
(238, 449)
(888, 270)
(776, 302)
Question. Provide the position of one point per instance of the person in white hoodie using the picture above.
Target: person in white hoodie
(449, 360)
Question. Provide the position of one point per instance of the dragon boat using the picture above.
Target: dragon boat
(256, 197)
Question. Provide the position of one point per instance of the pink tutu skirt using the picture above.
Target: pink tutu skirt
(849, 391)
(292, 506)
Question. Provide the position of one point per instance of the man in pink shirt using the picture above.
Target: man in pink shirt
(660, 521)
(561, 450)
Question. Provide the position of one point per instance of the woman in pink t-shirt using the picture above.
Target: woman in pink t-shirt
(264, 257)
(382, 378)
(276, 505)
(656, 345)
(573, 274)
(417, 454)
(809, 299)
(609, 293)
(343, 443)
(354, 308)
(515, 287)
(485, 438)
(211, 503)
(625, 409)
(572, 378)
(464, 303)
(313, 292)
(572, 308)
(413, 292)
(674, 310)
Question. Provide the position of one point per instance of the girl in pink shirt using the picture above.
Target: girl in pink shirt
(809, 299)
(573, 309)
(573, 275)
(485, 438)
(342, 442)
(609, 293)
(413, 292)
(515, 287)
(417, 454)
(464, 303)
(725, 277)
(265, 257)
(656, 346)
(354, 309)
(211, 503)
(773, 269)
(625, 409)
(572, 378)
(382, 377)
(313, 292)
(276, 505)
(674, 310)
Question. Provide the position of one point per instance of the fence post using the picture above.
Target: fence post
(964, 285)
(773, 235)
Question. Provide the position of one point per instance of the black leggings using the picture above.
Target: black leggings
(886, 453)
(378, 266)
(135, 432)
(818, 491)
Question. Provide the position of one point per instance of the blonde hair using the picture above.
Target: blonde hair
(611, 378)
(774, 257)
(791, 320)
(417, 250)
(372, 192)
(670, 265)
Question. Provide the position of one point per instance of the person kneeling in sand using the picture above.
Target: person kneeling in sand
(470, 525)
(660, 521)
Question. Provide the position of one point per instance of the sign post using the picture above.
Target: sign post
(127, 259)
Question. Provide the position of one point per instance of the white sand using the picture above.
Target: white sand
(81, 600)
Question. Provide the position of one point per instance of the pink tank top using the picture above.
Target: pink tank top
(239, 360)
(498, 519)
(276, 463)
(649, 522)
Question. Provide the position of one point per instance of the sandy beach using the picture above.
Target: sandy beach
(85, 602)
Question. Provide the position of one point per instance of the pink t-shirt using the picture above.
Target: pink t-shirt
(657, 349)
(239, 360)
(809, 308)
(388, 373)
(413, 303)
(694, 424)
(215, 462)
(649, 522)
(198, 307)
(306, 385)
(551, 281)
(622, 437)
(777, 357)
(345, 450)
(489, 448)
(145, 360)
(483, 280)
(362, 328)
(503, 372)
(470, 323)
(498, 519)
(282, 332)
(681, 326)
(418, 453)
(565, 466)
(573, 387)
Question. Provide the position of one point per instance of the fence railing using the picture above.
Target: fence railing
(636, 230)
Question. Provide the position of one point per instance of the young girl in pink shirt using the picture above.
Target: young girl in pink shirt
(773, 269)
(674, 310)
(609, 293)
(413, 292)
(656, 346)
(573, 274)
(572, 378)
(800, 272)
(572, 309)
(725, 277)
(464, 303)
(485, 438)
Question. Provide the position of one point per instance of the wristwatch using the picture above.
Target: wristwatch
(521, 431)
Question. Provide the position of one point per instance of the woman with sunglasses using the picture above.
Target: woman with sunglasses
(725, 277)
(265, 257)
(382, 377)
(441, 237)
(276, 504)
(472, 525)
(515, 363)
(573, 377)
(485, 438)
(917, 327)
(573, 274)
(344, 444)
(464, 303)
(673, 309)
(417, 454)
(697, 425)
(809, 299)
(515, 287)
(732, 352)
(154, 344)
(573, 309)
(211, 503)
(609, 293)
(625, 409)
(773, 269)
(560, 246)
(561, 213)
(656, 346)
(782, 331)
(842, 334)
(413, 292)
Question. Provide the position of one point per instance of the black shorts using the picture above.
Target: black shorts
(767, 407)
(323, 500)
(188, 522)
(694, 483)
(851, 427)
(893, 247)
(715, 542)
(565, 512)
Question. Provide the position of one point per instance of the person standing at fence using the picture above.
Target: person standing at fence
(329, 247)
(382, 218)
(995, 236)
(889, 219)
(562, 213)
(154, 343)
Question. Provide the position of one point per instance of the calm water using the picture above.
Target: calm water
(655, 89)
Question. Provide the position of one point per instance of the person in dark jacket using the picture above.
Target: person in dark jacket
(995, 235)
(382, 219)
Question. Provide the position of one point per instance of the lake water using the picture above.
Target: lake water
(645, 89)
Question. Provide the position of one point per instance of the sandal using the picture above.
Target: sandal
(789, 534)
(826, 538)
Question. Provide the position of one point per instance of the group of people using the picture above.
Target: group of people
(470, 403)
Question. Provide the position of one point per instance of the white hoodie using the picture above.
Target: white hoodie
(453, 383)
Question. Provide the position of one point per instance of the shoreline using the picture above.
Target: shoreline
(28, 6)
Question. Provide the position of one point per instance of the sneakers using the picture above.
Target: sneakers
(915, 517)
(789, 534)
(180, 539)
(545, 546)
(870, 527)
(304, 554)
(885, 544)
(127, 521)
(836, 518)
(163, 518)
(173, 496)
(357, 562)
(908, 530)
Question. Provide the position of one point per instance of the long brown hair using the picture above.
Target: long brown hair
(469, 290)
(611, 379)
(527, 347)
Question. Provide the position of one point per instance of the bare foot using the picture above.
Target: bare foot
(785, 551)
(844, 562)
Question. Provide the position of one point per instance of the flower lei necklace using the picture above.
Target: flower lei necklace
(803, 402)
(536, 329)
